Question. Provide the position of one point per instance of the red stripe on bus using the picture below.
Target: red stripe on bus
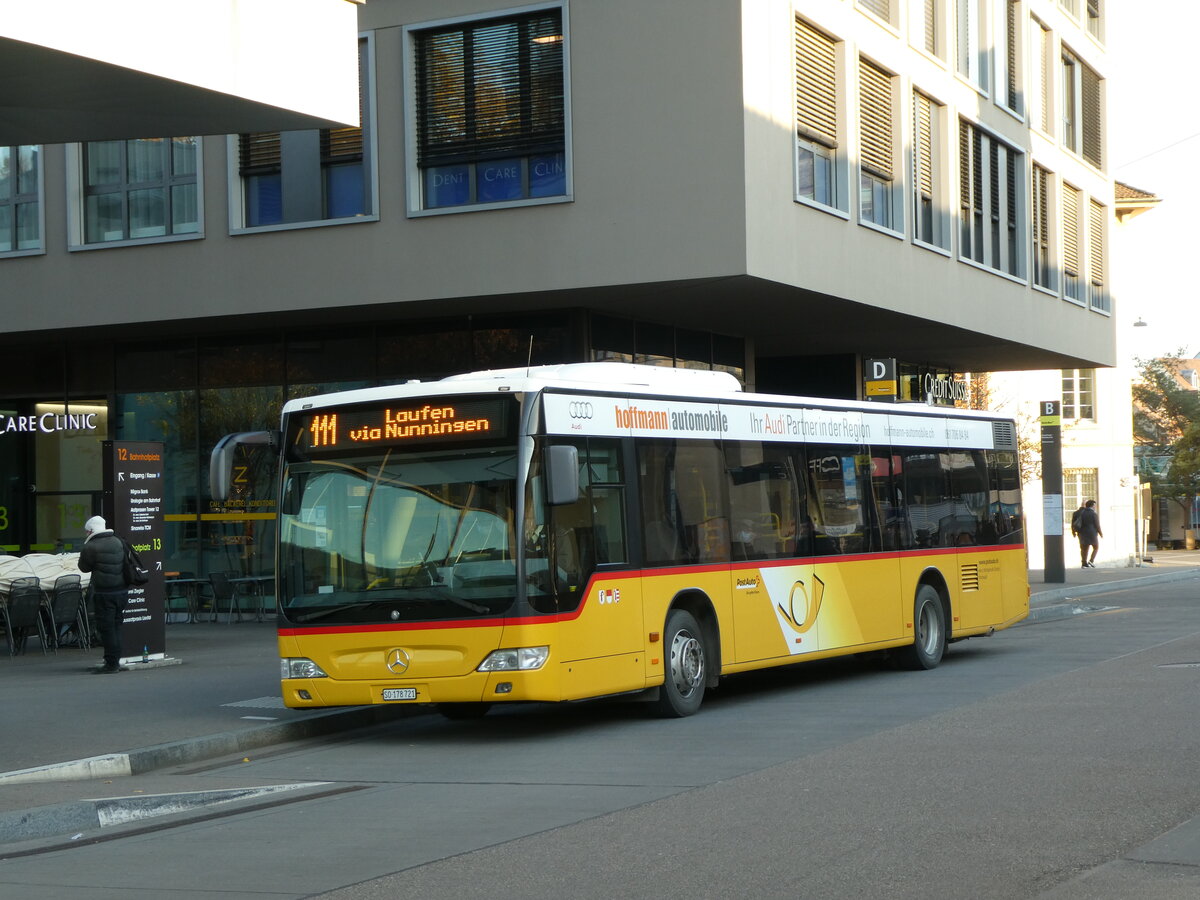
(624, 574)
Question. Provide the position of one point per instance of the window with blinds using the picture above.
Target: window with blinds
(876, 143)
(875, 119)
(1010, 94)
(491, 110)
(1043, 272)
(927, 221)
(326, 169)
(1094, 19)
(931, 32)
(968, 44)
(1097, 295)
(880, 8)
(991, 197)
(816, 91)
(1083, 126)
(1090, 148)
(816, 86)
(1070, 238)
(1042, 45)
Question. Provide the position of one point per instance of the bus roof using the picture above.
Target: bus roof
(607, 377)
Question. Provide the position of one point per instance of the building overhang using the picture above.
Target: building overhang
(78, 70)
(781, 321)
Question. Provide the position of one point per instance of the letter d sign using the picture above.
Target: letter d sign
(878, 370)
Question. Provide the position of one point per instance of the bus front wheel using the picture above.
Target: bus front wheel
(685, 666)
(929, 631)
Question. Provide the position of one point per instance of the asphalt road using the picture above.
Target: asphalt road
(1042, 762)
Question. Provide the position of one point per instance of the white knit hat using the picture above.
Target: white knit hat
(94, 525)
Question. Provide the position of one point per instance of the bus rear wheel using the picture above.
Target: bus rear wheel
(929, 631)
(685, 665)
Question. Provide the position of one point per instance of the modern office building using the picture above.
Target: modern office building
(782, 189)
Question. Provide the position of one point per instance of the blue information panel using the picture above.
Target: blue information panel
(547, 175)
(499, 180)
(447, 186)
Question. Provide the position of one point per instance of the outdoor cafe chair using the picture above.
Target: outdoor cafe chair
(24, 614)
(68, 615)
(220, 591)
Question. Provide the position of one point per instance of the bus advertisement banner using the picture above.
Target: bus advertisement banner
(614, 416)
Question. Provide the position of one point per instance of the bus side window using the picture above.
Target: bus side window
(969, 480)
(885, 469)
(762, 499)
(925, 494)
(685, 511)
(839, 494)
(1004, 499)
(662, 539)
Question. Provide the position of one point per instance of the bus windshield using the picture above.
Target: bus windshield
(399, 536)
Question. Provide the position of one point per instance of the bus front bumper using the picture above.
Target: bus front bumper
(476, 687)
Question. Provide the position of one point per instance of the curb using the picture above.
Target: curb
(88, 815)
(158, 756)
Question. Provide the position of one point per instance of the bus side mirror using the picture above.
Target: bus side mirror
(562, 474)
(221, 462)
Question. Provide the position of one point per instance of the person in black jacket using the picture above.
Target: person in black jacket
(1085, 525)
(103, 555)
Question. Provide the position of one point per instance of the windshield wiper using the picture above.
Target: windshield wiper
(438, 596)
(465, 604)
(331, 610)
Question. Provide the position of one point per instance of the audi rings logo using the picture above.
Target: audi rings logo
(579, 409)
(397, 661)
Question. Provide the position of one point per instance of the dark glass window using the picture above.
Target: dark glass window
(429, 350)
(244, 361)
(315, 359)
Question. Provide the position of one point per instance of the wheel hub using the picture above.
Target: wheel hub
(687, 663)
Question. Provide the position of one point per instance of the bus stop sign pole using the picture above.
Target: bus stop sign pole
(1054, 570)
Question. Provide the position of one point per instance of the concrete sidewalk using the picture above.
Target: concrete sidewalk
(71, 735)
(1167, 566)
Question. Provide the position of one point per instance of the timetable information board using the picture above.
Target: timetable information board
(133, 492)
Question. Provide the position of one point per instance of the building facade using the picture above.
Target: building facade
(777, 188)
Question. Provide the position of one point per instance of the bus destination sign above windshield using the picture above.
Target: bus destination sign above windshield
(393, 423)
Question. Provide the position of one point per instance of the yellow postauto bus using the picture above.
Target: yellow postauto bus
(595, 529)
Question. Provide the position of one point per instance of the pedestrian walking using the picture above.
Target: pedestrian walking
(103, 555)
(1085, 525)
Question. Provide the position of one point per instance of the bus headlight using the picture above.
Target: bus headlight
(518, 659)
(300, 667)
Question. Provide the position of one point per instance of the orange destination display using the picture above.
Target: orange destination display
(391, 423)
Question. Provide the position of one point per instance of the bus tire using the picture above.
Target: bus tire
(685, 666)
(929, 631)
(461, 711)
